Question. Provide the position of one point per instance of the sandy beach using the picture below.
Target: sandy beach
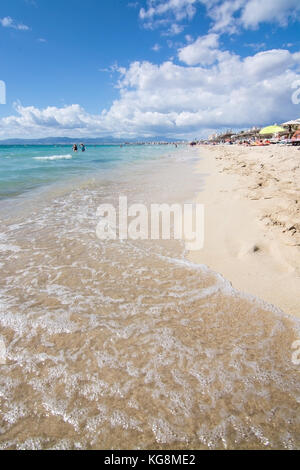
(113, 344)
(252, 232)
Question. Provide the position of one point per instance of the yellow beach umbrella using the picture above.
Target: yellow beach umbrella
(270, 130)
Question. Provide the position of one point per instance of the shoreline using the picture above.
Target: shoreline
(252, 221)
(124, 344)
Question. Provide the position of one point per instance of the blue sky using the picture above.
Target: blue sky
(150, 67)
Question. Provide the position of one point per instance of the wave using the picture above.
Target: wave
(54, 157)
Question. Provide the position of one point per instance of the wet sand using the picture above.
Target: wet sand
(252, 202)
(127, 345)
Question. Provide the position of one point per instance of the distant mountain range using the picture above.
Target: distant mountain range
(94, 141)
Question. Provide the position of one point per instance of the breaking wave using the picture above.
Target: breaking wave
(54, 157)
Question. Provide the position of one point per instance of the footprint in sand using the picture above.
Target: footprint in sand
(246, 250)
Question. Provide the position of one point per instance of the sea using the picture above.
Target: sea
(125, 344)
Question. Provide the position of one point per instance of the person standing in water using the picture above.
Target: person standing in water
(82, 147)
(75, 148)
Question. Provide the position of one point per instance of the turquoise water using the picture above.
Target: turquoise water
(24, 168)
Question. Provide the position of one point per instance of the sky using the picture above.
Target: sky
(133, 69)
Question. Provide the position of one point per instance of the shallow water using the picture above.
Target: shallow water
(126, 344)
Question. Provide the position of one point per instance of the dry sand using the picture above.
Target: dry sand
(252, 228)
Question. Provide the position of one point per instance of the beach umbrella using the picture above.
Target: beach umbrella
(270, 130)
(295, 122)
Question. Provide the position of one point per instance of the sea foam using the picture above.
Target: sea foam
(54, 157)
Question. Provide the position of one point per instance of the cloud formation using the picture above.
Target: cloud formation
(211, 89)
(179, 9)
(204, 88)
(230, 15)
(8, 22)
(167, 13)
(204, 51)
(277, 11)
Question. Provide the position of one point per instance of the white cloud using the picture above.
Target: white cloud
(258, 46)
(8, 22)
(280, 11)
(211, 89)
(173, 30)
(230, 15)
(168, 13)
(188, 38)
(223, 15)
(31, 119)
(204, 51)
(156, 48)
(178, 100)
(234, 92)
(180, 9)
